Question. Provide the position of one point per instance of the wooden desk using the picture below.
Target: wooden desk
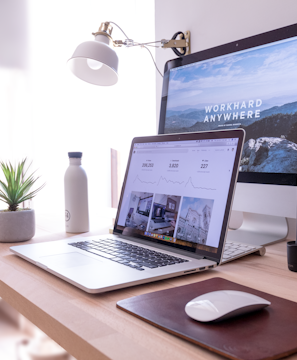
(90, 327)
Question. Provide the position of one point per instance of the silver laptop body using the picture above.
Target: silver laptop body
(172, 217)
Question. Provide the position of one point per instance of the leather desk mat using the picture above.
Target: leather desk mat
(270, 333)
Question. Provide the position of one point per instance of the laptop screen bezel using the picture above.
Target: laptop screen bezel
(199, 253)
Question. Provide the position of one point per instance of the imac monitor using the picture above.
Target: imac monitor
(171, 205)
(144, 206)
(158, 212)
(249, 84)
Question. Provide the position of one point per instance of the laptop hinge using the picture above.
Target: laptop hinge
(211, 258)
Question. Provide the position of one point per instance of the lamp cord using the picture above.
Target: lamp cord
(111, 22)
(138, 44)
(152, 58)
(134, 43)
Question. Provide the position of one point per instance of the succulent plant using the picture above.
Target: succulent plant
(17, 187)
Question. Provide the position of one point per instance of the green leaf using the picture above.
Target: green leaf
(17, 187)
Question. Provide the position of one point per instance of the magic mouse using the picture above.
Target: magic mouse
(223, 304)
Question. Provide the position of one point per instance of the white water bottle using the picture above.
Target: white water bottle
(76, 195)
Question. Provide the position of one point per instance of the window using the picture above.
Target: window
(47, 111)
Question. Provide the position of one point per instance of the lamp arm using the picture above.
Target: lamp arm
(111, 22)
(183, 43)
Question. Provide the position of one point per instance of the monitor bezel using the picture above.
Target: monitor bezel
(233, 47)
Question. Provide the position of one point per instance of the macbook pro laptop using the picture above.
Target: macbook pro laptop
(172, 216)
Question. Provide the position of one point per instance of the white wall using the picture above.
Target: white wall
(13, 34)
(75, 115)
(215, 22)
(45, 111)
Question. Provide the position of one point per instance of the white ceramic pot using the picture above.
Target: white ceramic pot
(16, 226)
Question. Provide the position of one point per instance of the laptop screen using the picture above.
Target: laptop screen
(176, 189)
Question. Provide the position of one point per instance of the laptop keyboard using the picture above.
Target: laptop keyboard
(235, 249)
(133, 256)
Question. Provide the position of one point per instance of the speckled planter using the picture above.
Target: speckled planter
(16, 226)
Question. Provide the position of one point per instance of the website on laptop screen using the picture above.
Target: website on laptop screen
(176, 192)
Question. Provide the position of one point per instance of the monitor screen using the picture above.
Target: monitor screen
(250, 84)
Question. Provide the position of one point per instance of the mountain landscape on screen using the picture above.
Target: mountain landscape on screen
(254, 90)
(270, 139)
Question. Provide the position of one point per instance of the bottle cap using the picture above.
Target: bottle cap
(75, 154)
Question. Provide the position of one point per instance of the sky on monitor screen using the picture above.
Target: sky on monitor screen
(267, 73)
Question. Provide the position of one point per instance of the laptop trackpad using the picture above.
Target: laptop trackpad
(67, 260)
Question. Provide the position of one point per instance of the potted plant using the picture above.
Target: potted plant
(17, 224)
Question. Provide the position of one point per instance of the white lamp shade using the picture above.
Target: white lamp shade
(97, 50)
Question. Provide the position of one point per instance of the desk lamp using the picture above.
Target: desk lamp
(96, 62)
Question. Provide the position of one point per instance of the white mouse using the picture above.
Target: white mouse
(223, 304)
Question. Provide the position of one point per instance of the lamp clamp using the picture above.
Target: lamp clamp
(183, 43)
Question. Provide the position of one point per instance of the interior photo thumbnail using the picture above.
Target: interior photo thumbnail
(194, 220)
(139, 210)
(164, 214)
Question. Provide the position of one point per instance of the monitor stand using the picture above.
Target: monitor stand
(258, 229)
